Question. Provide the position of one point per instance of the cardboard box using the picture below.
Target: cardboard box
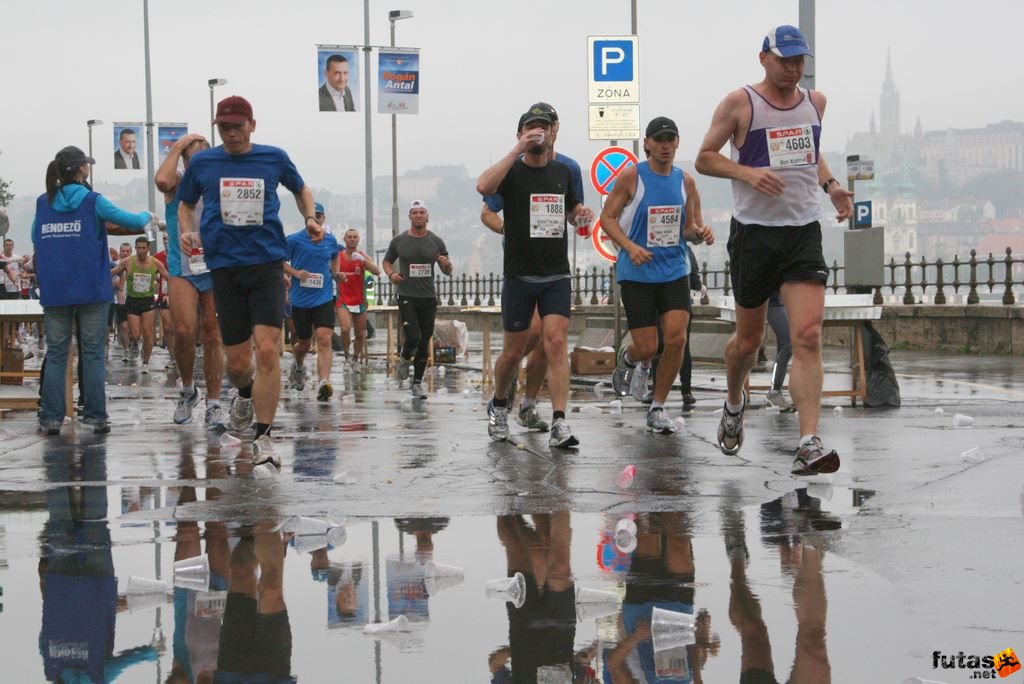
(444, 355)
(585, 362)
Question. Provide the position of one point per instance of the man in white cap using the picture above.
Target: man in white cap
(775, 238)
(416, 251)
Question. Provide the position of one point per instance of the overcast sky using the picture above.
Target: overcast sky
(483, 62)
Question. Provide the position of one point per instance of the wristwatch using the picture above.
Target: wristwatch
(824, 186)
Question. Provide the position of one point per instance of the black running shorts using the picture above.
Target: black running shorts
(247, 296)
(762, 258)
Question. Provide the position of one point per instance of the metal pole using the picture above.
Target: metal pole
(90, 154)
(369, 126)
(807, 28)
(632, 30)
(213, 129)
(150, 170)
(394, 158)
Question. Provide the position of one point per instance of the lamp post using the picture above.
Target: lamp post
(213, 83)
(90, 123)
(393, 16)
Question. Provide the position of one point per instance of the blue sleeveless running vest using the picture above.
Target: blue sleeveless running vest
(72, 259)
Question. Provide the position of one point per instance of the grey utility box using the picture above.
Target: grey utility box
(863, 260)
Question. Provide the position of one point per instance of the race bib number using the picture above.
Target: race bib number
(141, 282)
(790, 146)
(663, 224)
(354, 308)
(241, 201)
(314, 281)
(672, 664)
(547, 216)
(420, 270)
(197, 264)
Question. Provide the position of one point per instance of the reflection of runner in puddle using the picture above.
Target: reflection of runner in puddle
(661, 575)
(256, 636)
(197, 615)
(781, 525)
(348, 595)
(542, 631)
(76, 575)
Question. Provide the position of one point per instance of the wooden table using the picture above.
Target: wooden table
(486, 313)
(390, 317)
(840, 310)
(14, 312)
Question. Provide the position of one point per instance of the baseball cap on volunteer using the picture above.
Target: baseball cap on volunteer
(418, 204)
(234, 109)
(71, 157)
(786, 41)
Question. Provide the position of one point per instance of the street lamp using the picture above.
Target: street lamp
(90, 123)
(213, 83)
(393, 16)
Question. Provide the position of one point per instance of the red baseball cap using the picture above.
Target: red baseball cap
(234, 109)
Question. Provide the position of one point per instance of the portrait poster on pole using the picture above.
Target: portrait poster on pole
(128, 153)
(398, 87)
(166, 135)
(338, 78)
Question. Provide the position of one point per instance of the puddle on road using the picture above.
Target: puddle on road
(644, 597)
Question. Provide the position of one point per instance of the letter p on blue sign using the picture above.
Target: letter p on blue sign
(862, 214)
(613, 60)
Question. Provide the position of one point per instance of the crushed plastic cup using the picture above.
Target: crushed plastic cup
(511, 589)
(820, 490)
(625, 535)
(343, 478)
(440, 371)
(140, 586)
(595, 603)
(227, 440)
(837, 411)
(960, 420)
(465, 392)
(399, 624)
(599, 390)
(974, 455)
(625, 478)
(939, 410)
(264, 471)
(671, 629)
(348, 399)
(680, 422)
(336, 536)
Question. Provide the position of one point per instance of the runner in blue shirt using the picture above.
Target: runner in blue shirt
(245, 247)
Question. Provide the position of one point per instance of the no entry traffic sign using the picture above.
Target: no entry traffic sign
(603, 245)
(607, 165)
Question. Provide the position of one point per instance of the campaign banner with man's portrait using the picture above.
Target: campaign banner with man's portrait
(338, 78)
(398, 90)
(129, 152)
(166, 135)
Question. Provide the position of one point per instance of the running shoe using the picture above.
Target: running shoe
(126, 357)
(297, 377)
(730, 429)
(214, 417)
(266, 463)
(417, 391)
(403, 368)
(240, 413)
(183, 410)
(638, 382)
(97, 425)
(530, 419)
(622, 376)
(145, 369)
(813, 458)
(561, 435)
(689, 399)
(497, 424)
(324, 391)
(777, 399)
(659, 423)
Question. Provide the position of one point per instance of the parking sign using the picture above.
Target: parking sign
(613, 73)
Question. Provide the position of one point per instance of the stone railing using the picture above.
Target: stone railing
(911, 281)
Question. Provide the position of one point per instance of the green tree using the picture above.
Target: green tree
(5, 193)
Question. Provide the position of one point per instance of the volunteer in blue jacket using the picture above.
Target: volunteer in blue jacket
(73, 270)
(653, 208)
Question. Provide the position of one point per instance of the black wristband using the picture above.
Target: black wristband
(824, 186)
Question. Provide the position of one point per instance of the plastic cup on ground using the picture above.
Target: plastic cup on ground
(939, 410)
(837, 411)
(973, 455)
(438, 577)
(227, 440)
(595, 603)
(192, 573)
(142, 602)
(343, 478)
(140, 586)
(336, 536)
(960, 420)
(511, 589)
(671, 629)
(399, 624)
